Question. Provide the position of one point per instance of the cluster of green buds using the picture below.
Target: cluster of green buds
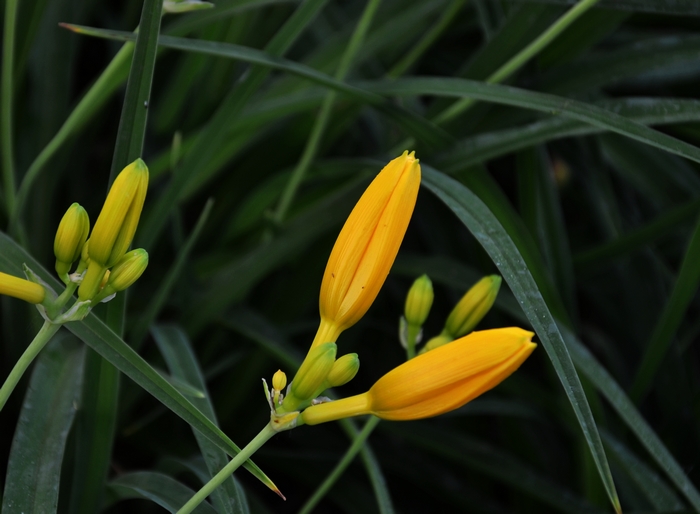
(104, 266)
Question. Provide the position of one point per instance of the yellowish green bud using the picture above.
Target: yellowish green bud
(116, 225)
(279, 380)
(70, 237)
(311, 375)
(436, 342)
(343, 370)
(419, 301)
(128, 270)
(473, 306)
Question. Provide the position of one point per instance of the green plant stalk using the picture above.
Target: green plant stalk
(96, 96)
(342, 465)
(428, 39)
(411, 340)
(314, 140)
(218, 479)
(522, 57)
(6, 102)
(47, 331)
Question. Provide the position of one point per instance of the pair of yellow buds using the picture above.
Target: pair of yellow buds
(106, 248)
(428, 385)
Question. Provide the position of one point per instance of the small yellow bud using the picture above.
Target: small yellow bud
(311, 376)
(419, 301)
(344, 370)
(279, 380)
(128, 270)
(70, 237)
(21, 288)
(473, 306)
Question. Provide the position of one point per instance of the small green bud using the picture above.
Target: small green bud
(70, 237)
(344, 370)
(419, 301)
(311, 375)
(473, 306)
(128, 270)
(436, 342)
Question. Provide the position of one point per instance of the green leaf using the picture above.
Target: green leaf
(36, 457)
(491, 235)
(157, 487)
(111, 347)
(182, 362)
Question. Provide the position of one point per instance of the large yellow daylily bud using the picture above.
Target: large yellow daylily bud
(21, 288)
(419, 301)
(70, 237)
(438, 381)
(310, 378)
(367, 246)
(116, 225)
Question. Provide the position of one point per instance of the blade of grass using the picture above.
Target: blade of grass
(6, 104)
(684, 288)
(182, 362)
(491, 235)
(34, 467)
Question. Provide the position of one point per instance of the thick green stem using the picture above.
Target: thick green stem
(208, 488)
(340, 468)
(42, 337)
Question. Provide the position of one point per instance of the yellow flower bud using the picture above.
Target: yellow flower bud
(419, 301)
(116, 225)
(473, 306)
(438, 381)
(344, 370)
(367, 246)
(279, 380)
(21, 288)
(70, 237)
(311, 376)
(128, 270)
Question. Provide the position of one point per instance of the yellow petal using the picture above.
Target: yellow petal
(367, 245)
(21, 288)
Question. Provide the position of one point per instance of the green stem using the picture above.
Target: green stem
(314, 140)
(253, 446)
(522, 57)
(349, 456)
(6, 102)
(44, 335)
(411, 337)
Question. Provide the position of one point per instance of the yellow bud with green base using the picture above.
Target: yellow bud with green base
(473, 306)
(419, 301)
(344, 370)
(70, 237)
(311, 376)
(128, 270)
(116, 225)
(21, 288)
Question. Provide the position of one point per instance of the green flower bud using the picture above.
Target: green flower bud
(70, 237)
(473, 306)
(311, 375)
(419, 301)
(128, 270)
(344, 370)
(436, 342)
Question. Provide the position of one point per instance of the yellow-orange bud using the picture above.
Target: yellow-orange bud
(344, 370)
(70, 237)
(21, 288)
(438, 381)
(367, 246)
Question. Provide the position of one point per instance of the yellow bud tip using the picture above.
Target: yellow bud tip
(368, 243)
(21, 288)
(279, 380)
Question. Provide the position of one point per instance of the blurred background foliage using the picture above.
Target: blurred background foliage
(253, 171)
